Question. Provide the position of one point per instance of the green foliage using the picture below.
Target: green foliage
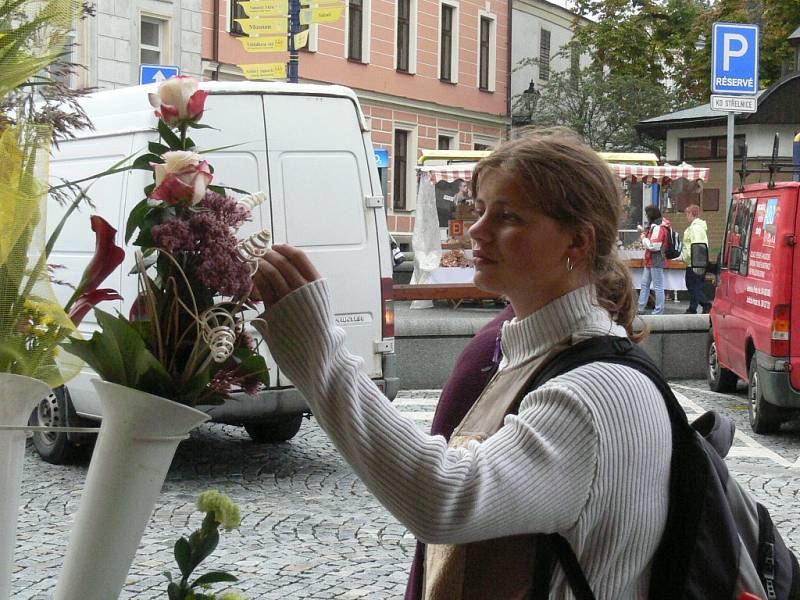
(601, 106)
(668, 42)
(651, 57)
(119, 355)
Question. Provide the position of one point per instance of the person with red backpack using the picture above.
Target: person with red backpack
(654, 239)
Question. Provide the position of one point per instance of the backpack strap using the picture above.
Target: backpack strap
(553, 547)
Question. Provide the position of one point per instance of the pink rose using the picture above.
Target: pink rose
(183, 178)
(178, 101)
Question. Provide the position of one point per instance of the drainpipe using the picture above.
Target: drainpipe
(796, 157)
(509, 37)
(215, 41)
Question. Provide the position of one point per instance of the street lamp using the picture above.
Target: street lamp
(527, 105)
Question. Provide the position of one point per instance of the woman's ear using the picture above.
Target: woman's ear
(583, 241)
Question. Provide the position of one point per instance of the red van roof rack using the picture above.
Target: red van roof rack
(772, 167)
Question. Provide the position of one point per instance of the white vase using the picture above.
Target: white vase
(19, 395)
(138, 438)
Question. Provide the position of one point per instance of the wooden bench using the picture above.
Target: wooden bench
(440, 291)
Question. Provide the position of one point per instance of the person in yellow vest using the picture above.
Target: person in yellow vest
(586, 455)
(695, 233)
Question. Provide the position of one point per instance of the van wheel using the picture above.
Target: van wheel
(764, 417)
(53, 446)
(719, 378)
(278, 430)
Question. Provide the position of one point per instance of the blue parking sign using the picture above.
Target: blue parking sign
(734, 60)
(157, 73)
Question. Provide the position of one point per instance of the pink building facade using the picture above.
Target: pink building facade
(430, 74)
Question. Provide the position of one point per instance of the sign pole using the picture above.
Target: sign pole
(734, 81)
(293, 67)
(729, 165)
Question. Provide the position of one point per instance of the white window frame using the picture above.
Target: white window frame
(413, 18)
(485, 140)
(448, 133)
(411, 164)
(455, 40)
(165, 25)
(366, 28)
(483, 14)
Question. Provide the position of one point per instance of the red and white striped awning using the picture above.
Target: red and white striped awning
(662, 173)
(439, 173)
(646, 173)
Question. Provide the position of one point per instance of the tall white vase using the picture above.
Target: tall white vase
(137, 442)
(19, 395)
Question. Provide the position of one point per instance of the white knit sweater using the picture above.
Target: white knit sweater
(587, 456)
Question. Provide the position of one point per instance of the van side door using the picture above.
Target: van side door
(736, 311)
(320, 178)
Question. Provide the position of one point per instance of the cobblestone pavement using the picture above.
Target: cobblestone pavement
(310, 528)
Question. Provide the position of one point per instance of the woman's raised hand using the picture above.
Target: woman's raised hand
(283, 269)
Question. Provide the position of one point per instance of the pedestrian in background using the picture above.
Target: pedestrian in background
(695, 233)
(653, 239)
(586, 455)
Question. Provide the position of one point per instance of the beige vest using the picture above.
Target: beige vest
(502, 568)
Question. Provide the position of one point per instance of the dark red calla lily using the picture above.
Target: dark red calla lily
(107, 257)
(88, 300)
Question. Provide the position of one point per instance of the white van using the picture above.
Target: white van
(308, 148)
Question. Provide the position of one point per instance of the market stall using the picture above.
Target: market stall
(445, 211)
(664, 186)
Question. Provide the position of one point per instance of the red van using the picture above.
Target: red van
(754, 323)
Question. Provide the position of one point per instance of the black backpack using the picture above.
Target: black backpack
(718, 541)
(674, 244)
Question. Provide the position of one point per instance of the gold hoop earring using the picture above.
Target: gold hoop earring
(570, 264)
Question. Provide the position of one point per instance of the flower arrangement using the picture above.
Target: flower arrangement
(32, 323)
(185, 336)
(222, 512)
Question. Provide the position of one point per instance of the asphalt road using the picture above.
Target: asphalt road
(310, 528)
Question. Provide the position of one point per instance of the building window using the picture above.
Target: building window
(237, 12)
(445, 142)
(151, 41)
(484, 147)
(400, 167)
(403, 34)
(446, 44)
(486, 29)
(710, 148)
(544, 55)
(574, 63)
(355, 18)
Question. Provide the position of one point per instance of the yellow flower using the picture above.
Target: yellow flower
(225, 510)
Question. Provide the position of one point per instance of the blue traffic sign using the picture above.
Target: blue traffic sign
(734, 60)
(157, 73)
(382, 157)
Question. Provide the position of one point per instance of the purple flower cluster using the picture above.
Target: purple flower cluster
(208, 231)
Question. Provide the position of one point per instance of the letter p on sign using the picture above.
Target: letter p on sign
(734, 59)
(728, 51)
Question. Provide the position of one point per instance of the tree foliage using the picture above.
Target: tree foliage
(601, 106)
(650, 57)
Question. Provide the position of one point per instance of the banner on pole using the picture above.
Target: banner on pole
(264, 71)
(265, 8)
(301, 39)
(275, 25)
(265, 44)
(321, 15)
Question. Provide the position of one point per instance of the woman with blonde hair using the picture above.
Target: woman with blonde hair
(586, 455)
